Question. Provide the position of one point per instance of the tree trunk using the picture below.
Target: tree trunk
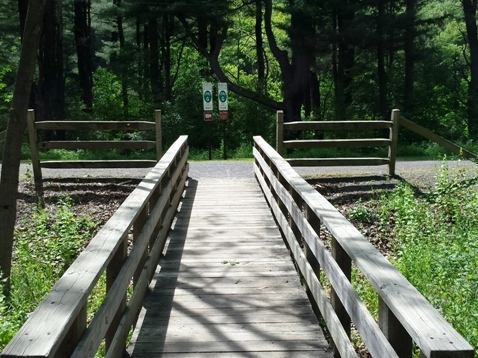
(259, 48)
(296, 73)
(50, 101)
(409, 48)
(345, 61)
(381, 71)
(13, 141)
(154, 70)
(118, 36)
(469, 10)
(82, 30)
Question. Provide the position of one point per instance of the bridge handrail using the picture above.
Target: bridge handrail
(404, 314)
(58, 326)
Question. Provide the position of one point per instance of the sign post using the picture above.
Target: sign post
(207, 101)
(223, 101)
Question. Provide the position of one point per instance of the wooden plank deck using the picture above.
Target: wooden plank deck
(226, 285)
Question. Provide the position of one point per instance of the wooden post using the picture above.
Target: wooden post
(393, 330)
(345, 264)
(159, 134)
(279, 131)
(32, 136)
(392, 150)
(112, 272)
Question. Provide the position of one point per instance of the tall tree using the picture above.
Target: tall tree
(345, 13)
(16, 127)
(410, 57)
(469, 10)
(295, 72)
(50, 97)
(82, 30)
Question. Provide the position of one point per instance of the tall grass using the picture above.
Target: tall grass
(45, 246)
(436, 245)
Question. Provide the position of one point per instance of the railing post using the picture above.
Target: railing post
(393, 330)
(345, 264)
(112, 272)
(159, 134)
(392, 150)
(279, 131)
(32, 136)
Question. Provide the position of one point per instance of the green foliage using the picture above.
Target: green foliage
(436, 245)
(45, 246)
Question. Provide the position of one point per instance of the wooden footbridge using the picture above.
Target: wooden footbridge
(233, 268)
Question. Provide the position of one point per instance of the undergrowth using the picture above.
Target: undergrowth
(436, 244)
(45, 246)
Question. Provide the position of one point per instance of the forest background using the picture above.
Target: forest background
(316, 60)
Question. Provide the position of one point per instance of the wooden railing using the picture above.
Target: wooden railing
(355, 127)
(36, 146)
(404, 314)
(58, 327)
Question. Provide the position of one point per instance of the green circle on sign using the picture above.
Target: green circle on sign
(222, 96)
(207, 96)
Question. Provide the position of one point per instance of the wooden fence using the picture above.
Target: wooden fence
(404, 314)
(58, 327)
(344, 127)
(391, 141)
(36, 146)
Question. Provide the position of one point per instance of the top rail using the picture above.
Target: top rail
(368, 129)
(404, 314)
(456, 149)
(58, 326)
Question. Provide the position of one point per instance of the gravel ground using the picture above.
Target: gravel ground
(417, 172)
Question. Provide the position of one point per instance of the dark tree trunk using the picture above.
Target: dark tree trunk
(13, 141)
(118, 36)
(345, 61)
(82, 30)
(154, 70)
(409, 48)
(22, 12)
(50, 100)
(381, 71)
(296, 74)
(168, 29)
(259, 48)
(469, 10)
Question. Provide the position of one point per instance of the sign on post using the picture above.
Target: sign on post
(223, 100)
(207, 101)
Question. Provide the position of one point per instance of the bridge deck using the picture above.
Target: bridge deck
(226, 285)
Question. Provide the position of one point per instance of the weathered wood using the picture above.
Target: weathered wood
(339, 279)
(159, 134)
(392, 150)
(337, 125)
(335, 327)
(230, 290)
(32, 136)
(71, 164)
(456, 149)
(279, 131)
(97, 144)
(323, 162)
(426, 326)
(95, 125)
(47, 327)
(336, 143)
(35, 146)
